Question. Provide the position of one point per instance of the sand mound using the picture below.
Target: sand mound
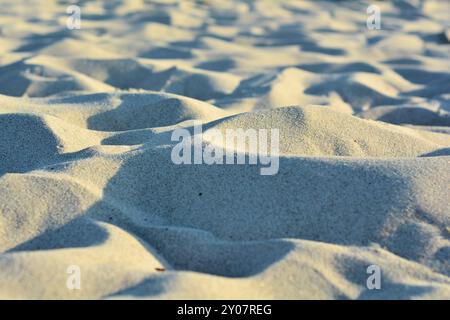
(31, 141)
(319, 131)
(137, 112)
(118, 111)
(39, 80)
(107, 246)
(418, 115)
(125, 74)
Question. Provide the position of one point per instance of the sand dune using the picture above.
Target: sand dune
(87, 177)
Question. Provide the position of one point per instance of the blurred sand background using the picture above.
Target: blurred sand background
(86, 176)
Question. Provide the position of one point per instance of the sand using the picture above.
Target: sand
(87, 182)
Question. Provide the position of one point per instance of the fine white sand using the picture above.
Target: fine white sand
(87, 180)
